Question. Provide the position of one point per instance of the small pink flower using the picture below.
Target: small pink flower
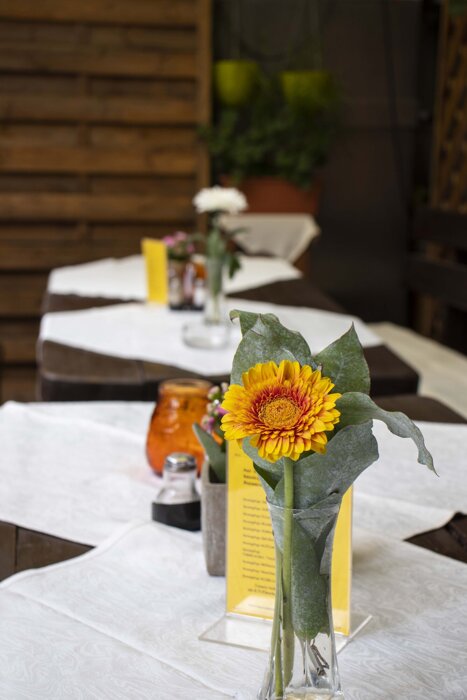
(207, 423)
(169, 241)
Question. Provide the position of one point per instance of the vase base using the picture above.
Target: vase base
(313, 695)
(207, 336)
(305, 694)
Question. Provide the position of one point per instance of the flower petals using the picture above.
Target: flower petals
(285, 409)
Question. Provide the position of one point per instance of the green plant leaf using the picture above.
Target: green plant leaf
(309, 585)
(214, 453)
(316, 476)
(267, 136)
(358, 408)
(233, 264)
(267, 340)
(348, 454)
(344, 362)
(247, 319)
(268, 481)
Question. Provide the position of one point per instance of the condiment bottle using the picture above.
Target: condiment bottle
(178, 503)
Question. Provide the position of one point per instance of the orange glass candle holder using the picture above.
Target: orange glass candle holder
(181, 402)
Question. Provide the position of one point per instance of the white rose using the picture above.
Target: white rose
(227, 199)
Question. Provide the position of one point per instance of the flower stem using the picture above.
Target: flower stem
(287, 626)
(276, 651)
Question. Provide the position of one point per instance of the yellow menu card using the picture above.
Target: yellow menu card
(155, 255)
(250, 547)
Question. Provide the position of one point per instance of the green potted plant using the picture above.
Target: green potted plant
(274, 146)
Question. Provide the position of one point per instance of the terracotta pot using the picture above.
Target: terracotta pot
(213, 522)
(234, 81)
(274, 195)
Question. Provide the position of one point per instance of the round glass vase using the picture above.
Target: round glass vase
(303, 659)
(213, 331)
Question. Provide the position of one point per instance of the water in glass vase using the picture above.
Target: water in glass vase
(213, 331)
(303, 658)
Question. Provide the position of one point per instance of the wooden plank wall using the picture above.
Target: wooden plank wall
(438, 274)
(99, 101)
(449, 172)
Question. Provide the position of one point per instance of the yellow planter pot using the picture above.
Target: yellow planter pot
(234, 81)
(306, 89)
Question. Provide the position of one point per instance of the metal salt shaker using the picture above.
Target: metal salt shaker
(178, 503)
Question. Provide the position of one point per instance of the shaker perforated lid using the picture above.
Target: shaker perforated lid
(179, 462)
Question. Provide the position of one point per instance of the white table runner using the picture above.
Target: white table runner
(77, 471)
(122, 622)
(125, 278)
(66, 474)
(442, 371)
(152, 332)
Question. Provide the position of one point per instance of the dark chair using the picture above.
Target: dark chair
(437, 273)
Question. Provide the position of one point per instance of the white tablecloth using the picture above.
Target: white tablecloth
(284, 235)
(125, 278)
(401, 498)
(78, 471)
(152, 332)
(443, 371)
(123, 622)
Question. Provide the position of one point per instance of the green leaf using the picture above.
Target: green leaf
(267, 340)
(344, 362)
(358, 408)
(233, 263)
(268, 481)
(310, 535)
(348, 454)
(247, 319)
(316, 476)
(309, 587)
(215, 455)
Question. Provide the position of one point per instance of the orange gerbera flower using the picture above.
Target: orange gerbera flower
(286, 410)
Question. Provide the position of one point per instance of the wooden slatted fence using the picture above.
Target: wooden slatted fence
(99, 106)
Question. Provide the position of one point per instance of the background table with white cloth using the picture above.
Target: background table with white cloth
(122, 351)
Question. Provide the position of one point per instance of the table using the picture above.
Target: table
(124, 619)
(123, 622)
(108, 441)
(113, 280)
(68, 372)
(443, 371)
